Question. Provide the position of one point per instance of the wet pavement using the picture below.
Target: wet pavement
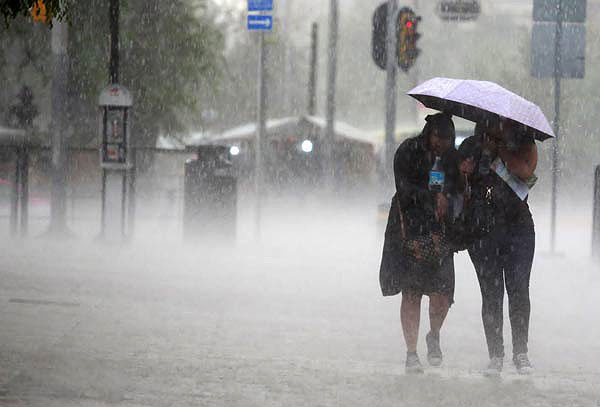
(286, 323)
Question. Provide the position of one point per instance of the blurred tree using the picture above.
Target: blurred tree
(171, 59)
(40, 10)
(171, 55)
(287, 88)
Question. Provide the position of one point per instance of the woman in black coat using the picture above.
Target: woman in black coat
(417, 212)
(502, 253)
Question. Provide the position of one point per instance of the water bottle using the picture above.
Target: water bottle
(437, 176)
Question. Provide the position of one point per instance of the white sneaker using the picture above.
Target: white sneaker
(413, 364)
(434, 352)
(494, 368)
(522, 364)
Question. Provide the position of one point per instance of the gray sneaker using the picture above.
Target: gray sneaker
(434, 352)
(413, 364)
(522, 364)
(494, 368)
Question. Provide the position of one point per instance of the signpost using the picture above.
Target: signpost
(261, 22)
(558, 51)
(572, 11)
(571, 47)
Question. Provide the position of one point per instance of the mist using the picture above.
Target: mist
(293, 317)
(287, 310)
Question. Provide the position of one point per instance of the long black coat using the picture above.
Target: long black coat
(412, 163)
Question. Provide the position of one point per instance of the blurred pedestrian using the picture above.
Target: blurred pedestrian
(416, 260)
(502, 235)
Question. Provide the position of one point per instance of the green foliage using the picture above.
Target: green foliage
(170, 51)
(286, 73)
(11, 9)
(170, 59)
(174, 55)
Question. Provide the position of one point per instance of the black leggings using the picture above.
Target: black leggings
(499, 259)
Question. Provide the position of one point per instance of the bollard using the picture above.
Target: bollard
(210, 197)
(596, 217)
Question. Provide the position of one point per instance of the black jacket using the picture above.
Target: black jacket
(494, 210)
(412, 163)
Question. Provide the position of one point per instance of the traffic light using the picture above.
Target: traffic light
(408, 23)
(379, 49)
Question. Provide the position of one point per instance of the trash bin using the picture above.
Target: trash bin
(210, 197)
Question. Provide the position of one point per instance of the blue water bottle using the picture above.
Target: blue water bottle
(437, 176)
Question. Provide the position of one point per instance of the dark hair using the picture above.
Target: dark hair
(442, 122)
(470, 147)
(520, 134)
(483, 126)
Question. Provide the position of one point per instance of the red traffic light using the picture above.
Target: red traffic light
(407, 51)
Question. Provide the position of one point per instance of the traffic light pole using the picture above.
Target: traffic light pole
(390, 90)
(415, 75)
(312, 81)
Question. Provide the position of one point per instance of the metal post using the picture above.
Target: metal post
(287, 63)
(113, 68)
(103, 204)
(556, 145)
(123, 203)
(596, 216)
(24, 189)
(328, 164)
(132, 194)
(415, 74)
(14, 197)
(113, 76)
(60, 66)
(312, 81)
(390, 91)
(260, 129)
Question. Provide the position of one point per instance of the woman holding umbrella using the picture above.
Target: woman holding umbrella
(503, 252)
(500, 160)
(415, 258)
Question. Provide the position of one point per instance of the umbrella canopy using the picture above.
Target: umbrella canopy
(479, 100)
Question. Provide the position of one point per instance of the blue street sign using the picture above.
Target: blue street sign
(260, 5)
(573, 11)
(572, 50)
(260, 23)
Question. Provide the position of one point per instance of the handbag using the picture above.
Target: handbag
(427, 250)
